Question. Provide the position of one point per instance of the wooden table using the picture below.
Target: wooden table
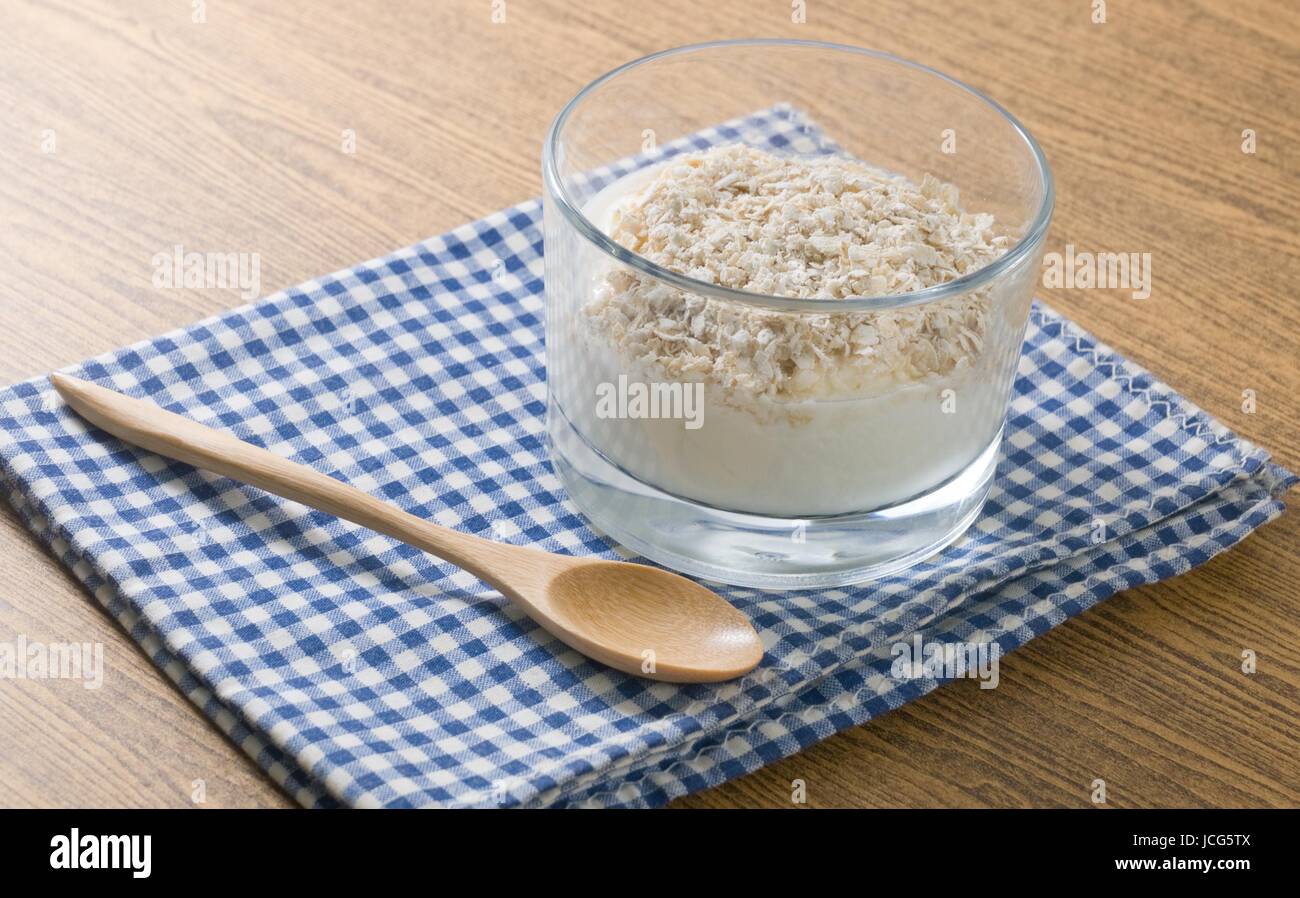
(127, 131)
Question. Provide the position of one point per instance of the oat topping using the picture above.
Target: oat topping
(822, 227)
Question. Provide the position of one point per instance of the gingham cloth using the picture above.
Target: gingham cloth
(358, 671)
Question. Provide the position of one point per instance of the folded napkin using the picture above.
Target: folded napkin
(358, 671)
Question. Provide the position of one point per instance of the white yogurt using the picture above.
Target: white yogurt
(781, 458)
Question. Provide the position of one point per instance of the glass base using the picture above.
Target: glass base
(760, 551)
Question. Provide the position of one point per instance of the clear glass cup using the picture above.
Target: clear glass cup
(858, 473)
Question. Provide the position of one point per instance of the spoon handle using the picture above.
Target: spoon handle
(154, 428)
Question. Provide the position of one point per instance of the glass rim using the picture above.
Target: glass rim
(556, 189)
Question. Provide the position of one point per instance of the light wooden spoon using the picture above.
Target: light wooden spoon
(638, 619)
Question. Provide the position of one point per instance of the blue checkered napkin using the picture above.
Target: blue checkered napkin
(359, 671)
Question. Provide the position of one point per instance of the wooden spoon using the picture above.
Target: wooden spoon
(638, 619)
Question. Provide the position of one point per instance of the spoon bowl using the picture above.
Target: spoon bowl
(650, 621)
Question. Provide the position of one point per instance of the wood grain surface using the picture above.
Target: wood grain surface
(127, 128)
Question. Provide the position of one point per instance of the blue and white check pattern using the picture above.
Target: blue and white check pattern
(358, 671)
